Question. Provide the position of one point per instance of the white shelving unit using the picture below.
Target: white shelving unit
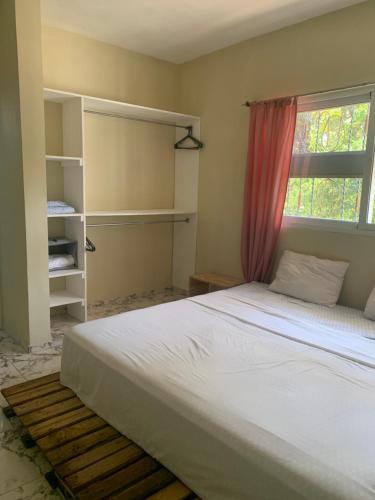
(73, 164)
(65, 181)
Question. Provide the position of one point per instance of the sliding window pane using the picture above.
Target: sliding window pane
(324, 198)
(332, 130)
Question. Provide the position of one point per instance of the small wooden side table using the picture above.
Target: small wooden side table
(210, 282)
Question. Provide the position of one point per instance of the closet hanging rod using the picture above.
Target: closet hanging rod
(135, 223)
(114, 115)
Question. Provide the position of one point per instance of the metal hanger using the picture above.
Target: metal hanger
(90, 247)
(197, 144)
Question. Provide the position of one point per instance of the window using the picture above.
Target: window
(331, 171)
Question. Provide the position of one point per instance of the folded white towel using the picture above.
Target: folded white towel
(59, 207)
(57, 203)
(60, 261)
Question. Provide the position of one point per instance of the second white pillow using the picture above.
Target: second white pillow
(370, 306)
(309, 278)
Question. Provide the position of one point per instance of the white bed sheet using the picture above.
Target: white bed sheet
(241, 393)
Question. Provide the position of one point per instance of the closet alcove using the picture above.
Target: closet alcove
(133, 194)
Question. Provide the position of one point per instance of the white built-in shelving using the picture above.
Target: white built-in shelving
(65, 182)
(73, 290)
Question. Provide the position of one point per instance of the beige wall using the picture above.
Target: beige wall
(78, 64)
(129, 165)
(331, 51)
(12, 207)
(22, 181)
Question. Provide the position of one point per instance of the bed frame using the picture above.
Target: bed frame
(89, 458)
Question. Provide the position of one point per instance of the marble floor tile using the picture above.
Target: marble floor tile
(31, 366)
(18, 465)
(38, 489)
(9, 375)
(21, 470)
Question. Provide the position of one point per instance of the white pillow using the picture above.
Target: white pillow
(308, 278)
(370, 306)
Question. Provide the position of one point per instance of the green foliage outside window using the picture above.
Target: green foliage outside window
(327, 130)
(324, 198)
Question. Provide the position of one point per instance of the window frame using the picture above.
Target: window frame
(364, 162)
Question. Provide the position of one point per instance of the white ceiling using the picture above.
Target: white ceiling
(180, 30)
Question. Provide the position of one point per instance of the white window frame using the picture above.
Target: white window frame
(336, 164)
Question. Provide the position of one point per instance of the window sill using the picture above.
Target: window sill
(333, 226)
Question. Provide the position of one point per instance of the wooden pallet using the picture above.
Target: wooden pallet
(90, 459)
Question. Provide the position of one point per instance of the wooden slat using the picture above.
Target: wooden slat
(53, 424)
(43, 402)
(119, 480)
(104, 467)
(174, 491)
(31, 384)
(147, 486)
(51, 411)
(80, 445)
(92, 456)
(28, 395)
(68, 434)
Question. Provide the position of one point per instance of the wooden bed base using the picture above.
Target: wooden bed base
(89, 458)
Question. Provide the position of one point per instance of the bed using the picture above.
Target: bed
(242, 393)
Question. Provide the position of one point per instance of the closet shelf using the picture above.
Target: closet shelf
(131, 213)
(60, 216)
(63, 298)
(66, 161)
(120, 108)
(65, 272)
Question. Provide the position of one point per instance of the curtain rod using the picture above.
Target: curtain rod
(134, 223)
(249, 103)
(113, 115)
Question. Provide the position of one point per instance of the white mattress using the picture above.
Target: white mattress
(241, 393)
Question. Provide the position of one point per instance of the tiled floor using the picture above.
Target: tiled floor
(21, 470)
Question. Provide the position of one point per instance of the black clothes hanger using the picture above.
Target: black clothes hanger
(196, 143)
(90, 247)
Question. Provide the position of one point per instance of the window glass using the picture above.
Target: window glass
(324, 198)
(341, 129)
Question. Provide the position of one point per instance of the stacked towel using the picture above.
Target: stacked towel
(60, 261)
(60, 207)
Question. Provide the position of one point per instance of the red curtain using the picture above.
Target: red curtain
(271, 136)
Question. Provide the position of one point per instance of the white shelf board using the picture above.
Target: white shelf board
(63, 298)
(137, 213)
(65, 272)
(66, 161)
(122, 108)
(56, 216)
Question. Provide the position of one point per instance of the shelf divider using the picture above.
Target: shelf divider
(66, 161)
